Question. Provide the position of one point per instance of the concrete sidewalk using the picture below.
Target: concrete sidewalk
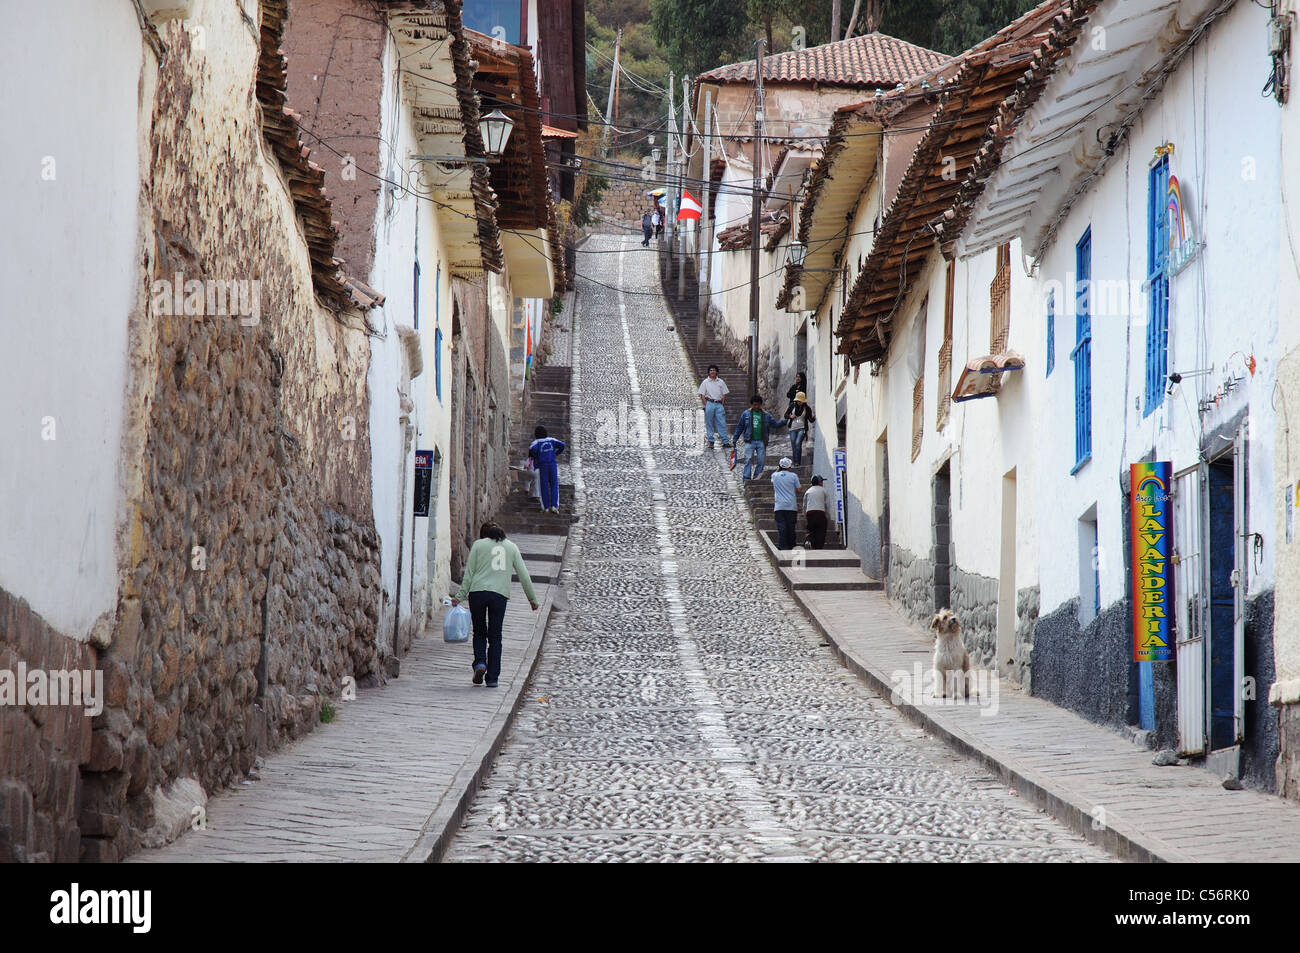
(1090, 777)
(391, 777)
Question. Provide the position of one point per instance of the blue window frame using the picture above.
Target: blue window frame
(1082, 353)
(437, 331)
(437, 361)
(1051, 332)
(1157, 285)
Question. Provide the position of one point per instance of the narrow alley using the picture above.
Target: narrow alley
(683, 708)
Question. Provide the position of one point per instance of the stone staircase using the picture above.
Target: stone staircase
(546, 403)
(832, 568)
(686, 319)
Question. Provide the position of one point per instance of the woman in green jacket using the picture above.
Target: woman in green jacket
(492, 561)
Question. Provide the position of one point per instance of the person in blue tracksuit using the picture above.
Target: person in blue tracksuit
(543, 451)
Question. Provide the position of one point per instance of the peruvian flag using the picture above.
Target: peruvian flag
(691, 208)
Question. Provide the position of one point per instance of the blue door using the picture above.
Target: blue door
(1146, 696)
(1223, 696)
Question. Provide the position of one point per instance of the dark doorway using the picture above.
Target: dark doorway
(883, 456)
(942, 538)
(1223, 695)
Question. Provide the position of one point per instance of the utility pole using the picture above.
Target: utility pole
(704, 243)
(835, 20)
(682, 172)
(613, 85)
(756, 218)
(670, 209)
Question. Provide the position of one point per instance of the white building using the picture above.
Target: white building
(1142, 189)
(1285, 693)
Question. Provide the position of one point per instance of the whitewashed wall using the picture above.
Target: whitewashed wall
(1225, 136)
(71, 174)
(400, 217)
(1286, 630)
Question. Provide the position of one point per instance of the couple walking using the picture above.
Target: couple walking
(785, 489)
(755, 425)
(652, 225)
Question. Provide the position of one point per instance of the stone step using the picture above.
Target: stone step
(826, 579)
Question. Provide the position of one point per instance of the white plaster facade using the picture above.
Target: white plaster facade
(74, 191)
(1286, 631)
(1221, 314)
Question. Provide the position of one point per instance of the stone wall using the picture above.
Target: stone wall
(250, 578)
(975, 600)
(621, 207)
(42, 747)
(1022, 667)
(1288, 760)
(1261, 744)
(911, 584)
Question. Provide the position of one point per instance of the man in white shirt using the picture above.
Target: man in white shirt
(713, 395)
(814, 512)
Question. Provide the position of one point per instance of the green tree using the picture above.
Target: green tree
(697, 35)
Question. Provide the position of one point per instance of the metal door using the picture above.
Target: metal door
(1189, 618)
(1241, 549)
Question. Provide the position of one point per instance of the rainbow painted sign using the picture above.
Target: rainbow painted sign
(1151, 509)
(1183, 246)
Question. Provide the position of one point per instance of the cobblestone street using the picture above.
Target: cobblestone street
(684, 708)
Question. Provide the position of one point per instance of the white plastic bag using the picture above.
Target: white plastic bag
(456, 625)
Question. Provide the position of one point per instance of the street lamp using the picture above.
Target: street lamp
(795, 251)
(495, 129)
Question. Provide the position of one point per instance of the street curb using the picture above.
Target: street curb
(1073, 810)
(445, 820)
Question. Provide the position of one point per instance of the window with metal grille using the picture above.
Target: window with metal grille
(1157, 284)
(1000, 302)
(945, 354)
(918, 415)
(1051, 332)
(1082, 353)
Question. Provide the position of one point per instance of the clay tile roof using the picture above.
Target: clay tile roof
(871, 60)
(994, 84)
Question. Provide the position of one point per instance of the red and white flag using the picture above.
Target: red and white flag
(690, 209)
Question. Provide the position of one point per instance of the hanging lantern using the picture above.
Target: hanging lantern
(795, 251)
(495, 129)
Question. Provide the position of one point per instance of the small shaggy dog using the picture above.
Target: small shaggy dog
(951, 663)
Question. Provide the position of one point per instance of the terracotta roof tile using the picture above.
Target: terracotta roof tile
(871, 60)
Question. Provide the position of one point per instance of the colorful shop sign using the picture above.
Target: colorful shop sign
(1151, 513)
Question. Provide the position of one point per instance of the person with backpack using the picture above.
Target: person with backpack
(756, 425)
(800, 418)
(493, 559)
(542, 452)
(647, 227)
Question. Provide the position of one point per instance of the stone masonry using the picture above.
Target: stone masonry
(248, 562)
